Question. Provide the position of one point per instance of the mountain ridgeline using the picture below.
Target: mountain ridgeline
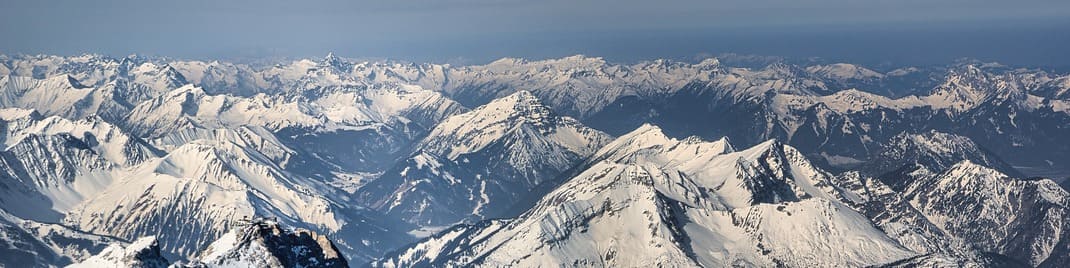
(578, 162)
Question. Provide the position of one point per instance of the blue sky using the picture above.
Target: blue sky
(913, 31)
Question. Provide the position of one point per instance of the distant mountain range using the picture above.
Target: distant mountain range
(153, 162)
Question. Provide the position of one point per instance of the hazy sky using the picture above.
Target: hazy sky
(922, 31)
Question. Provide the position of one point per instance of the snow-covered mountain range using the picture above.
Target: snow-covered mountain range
(577, 161)
(649, 200)
(258, 242)
(481, 163)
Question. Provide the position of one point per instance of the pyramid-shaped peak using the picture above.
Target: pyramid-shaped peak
(644, 136)
(334, 61)
(709, 62)
(521, 101)
(647, 129)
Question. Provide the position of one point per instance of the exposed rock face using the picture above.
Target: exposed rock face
(253, 243)
(264, 243)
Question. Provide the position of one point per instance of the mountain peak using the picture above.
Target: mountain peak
(330, 59)
(967, 166)
(645, 136)
(520, 111)
(520, 97)
(262, 242)
(630, 200)
(334, 62)
(710, 61)
(898, 160)
(143, 252)
(483, 161)
(648, 127)
(649, 143)
(936, 151)
(519, 105)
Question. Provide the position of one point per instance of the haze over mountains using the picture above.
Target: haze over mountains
(574, 161)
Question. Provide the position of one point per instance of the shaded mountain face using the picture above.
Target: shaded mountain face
(28, 243)
(933, 151)
(479, 164)
(1022, 219)
(967, 214)
(943, 195)
(58, 163)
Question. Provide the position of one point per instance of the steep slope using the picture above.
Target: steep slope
(927, 191)
(481, 163)
(938, 260)
(648, 200)
(26, 243)
(997, 108)
(98, 70)
(935, 151)
(897, 217)
(61, 96)
(264, 243)
(1023, 219)
(1013, 112)
(142, 253)
(190, 106)
(58, 163)
(75, 87)
(55, 172)
(308, 140)
(188, 197)
(107, 140)
(381, 122)
(1016, 113)
(218, 77)
(354, 128)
